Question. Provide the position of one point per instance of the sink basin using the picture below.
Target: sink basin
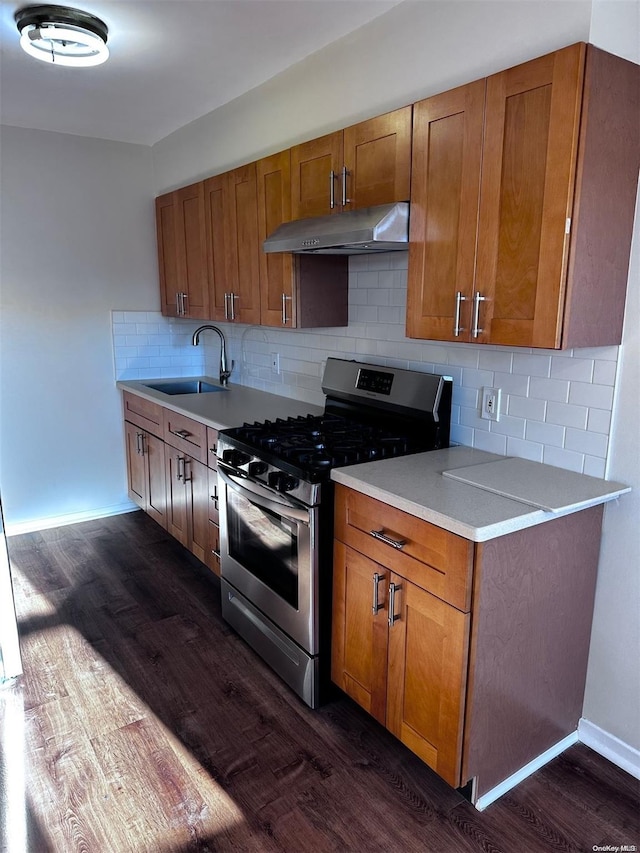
(184, 386)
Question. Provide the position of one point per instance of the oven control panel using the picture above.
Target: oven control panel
(374, 380)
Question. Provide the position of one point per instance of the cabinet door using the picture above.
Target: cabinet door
(315, 171)
(197, 478)
(191, 252)
(530, 146)
(377, 155)
(359, 637)
(428, 649)
(445, 191)
(156, 479)
(276, 268)
(216, 246)
(136, 476)
(241, 209)
(177, 504)
(167, 261)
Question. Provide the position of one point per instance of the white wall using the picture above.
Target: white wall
(77, 240)
(612, 699)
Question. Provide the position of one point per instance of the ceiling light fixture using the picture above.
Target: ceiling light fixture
(62, 36)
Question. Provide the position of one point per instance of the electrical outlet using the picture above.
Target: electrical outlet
(275, 363)
(490, 410)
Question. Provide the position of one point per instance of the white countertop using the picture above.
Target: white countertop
(417, 485)
(232, 407)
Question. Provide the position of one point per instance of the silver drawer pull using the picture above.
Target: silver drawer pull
(393, 588)
(457, 327)
(398, 544)
(181, 433)
(216, 554)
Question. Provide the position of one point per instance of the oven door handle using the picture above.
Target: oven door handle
(261, 497)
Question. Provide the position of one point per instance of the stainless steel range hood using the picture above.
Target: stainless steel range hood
(384, 228)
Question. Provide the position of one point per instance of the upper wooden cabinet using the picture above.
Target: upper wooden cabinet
(523, 194)
(231, 217)
(295, 291)
(364, 165)
(182, 253)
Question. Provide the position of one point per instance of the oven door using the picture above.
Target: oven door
(267, 553)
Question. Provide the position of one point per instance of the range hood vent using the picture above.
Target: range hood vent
(384, 228)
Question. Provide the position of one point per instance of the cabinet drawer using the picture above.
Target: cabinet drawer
(143, 413)
(432, 558)
(186, 435)
(212, 447)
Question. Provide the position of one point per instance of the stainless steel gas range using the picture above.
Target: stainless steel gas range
(276, 506)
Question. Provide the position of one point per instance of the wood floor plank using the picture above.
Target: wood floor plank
(149, 725)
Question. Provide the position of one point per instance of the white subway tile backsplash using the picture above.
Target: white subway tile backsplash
(595, 444)
(524, 449)
(595, 396)
(556, 406)
(566, 415)
(580, 369)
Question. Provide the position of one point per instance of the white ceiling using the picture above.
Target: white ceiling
(171, 61)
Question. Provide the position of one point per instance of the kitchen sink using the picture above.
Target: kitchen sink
(184, 386)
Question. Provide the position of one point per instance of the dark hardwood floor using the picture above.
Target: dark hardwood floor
(143, 723)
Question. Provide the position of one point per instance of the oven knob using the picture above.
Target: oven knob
(282, 482)
(235, 458)
(257, 468)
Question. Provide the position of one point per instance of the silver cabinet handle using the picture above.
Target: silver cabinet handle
(213, 449)
(398, 544)
(332, 198)
(215, 553)
(477, 299)
(376, 604)
(180, 471)
(285, 319)
(185, 296)
(177, 304)
(186, 472)
(393, 588)
(226, 306)
(139, 444)
(345, 200)
(181, 433)
(457, 327)
(232, 300)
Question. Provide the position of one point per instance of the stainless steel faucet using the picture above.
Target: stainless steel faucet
(224, 372)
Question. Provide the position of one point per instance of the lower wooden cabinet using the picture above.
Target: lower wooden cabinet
(146, 471)
(401, 653)
(187, 488)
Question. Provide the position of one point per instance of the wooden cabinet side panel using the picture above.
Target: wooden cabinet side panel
(377, 154)
(606, 186)
(445, 192)
(533, 606)
(276, 268)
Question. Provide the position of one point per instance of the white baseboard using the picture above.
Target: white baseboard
(71, 518)
(491, 796)
(609, 746)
